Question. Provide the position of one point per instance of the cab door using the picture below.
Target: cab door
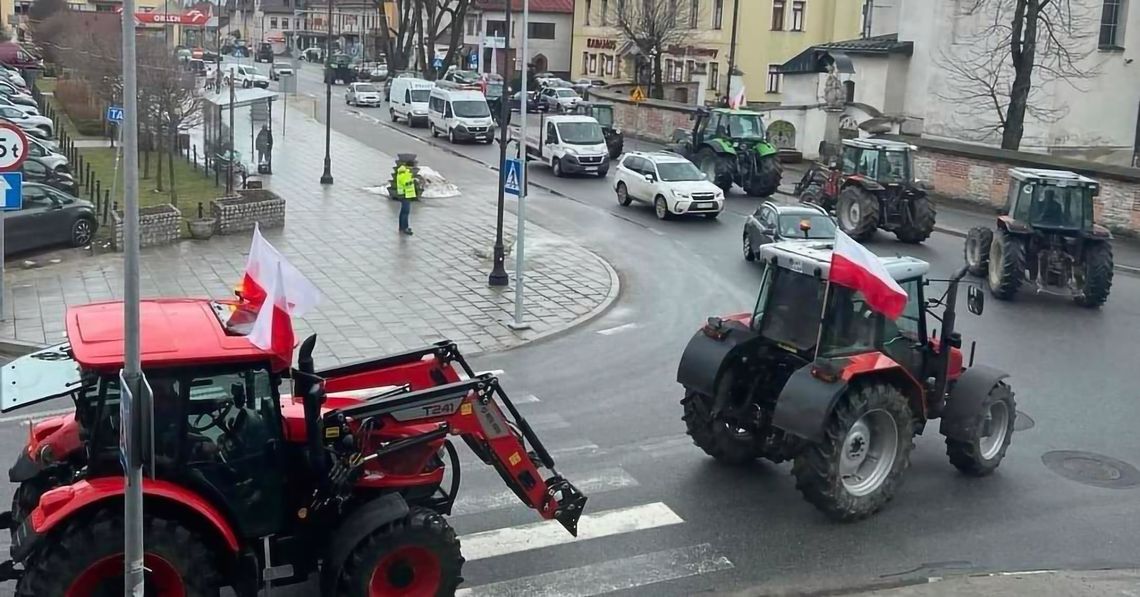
(550, 143)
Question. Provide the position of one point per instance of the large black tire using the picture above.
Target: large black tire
(977, 250)
(719, 166)
(714, 437)
(26, 498)
(1007, 265)
(89, 549)
(746, 246)
(994, 421)
(858, 212)
(766, 180)
(817, 468)
(813, 194)
(921, 225)
(1096, 274)
(416, 555)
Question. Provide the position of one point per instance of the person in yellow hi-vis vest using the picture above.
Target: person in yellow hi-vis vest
(406, 188)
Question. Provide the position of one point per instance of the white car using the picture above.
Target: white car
(28, 122)
(559, 99)
(30, 110)
(668, 181)
(362, 94)
(245, 76)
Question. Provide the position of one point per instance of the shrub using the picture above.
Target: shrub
(74, 98)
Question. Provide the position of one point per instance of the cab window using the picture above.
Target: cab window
(909, 324)
(850, 158)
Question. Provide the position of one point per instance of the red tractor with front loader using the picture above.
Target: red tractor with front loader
(248, 487)
(815, 376)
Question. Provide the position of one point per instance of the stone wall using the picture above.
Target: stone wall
(652, 120)
(158, 225)
(240, 212)
(980, 175)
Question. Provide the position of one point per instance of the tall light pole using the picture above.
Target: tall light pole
(326, 176)
(732, 48)
(498, 276)
(520, 211)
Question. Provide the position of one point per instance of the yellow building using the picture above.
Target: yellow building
(769, 33)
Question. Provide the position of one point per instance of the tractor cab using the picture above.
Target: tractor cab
(731, 147)
(604, 114)
(883, 161)
(1056, 200)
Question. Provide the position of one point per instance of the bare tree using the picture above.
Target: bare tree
(998, 72)
(168, 103)
(653, 26)
(434, 28)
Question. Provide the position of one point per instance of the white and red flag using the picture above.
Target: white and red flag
(738, 100)
(857, 268)
(279, 292)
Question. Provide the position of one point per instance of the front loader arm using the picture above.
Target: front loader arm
(420, 368)
(470, 410)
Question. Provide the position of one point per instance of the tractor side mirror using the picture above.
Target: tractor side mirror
(923, 185)
(975, 300)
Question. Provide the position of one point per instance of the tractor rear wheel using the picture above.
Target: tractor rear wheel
(766, 179)
(1007, 265)
(921, 225)
(977, 250)
(719, 168)
(717, 438)
(85, 558)
(1095, 275)
(866, 447)
(417, 556)
(858, 212)
(994, 424)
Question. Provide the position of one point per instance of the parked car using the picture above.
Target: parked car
(559, 99)
(409, 100)
(28, 122)
(464, 77)
(42, 138)
(197, 66)
(264, 52)
(362, 94)
(404, 74)
(280, 68)
(460, 113)
(37, 170)
(48, 217)
(32, 110)
(371, 71)
(246, 76)
(15, 79)
(669, 182)
(584, 85)
(533, 103)
(313, 54)
(15, 55)
(54, 160)
(775, 222)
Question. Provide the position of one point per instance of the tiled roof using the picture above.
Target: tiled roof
(560, 6)
(816, 58)
(887, 44)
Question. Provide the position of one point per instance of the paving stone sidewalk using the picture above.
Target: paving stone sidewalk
(383, 292)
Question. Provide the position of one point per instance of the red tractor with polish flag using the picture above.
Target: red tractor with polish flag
(348, 477)
(837, 368)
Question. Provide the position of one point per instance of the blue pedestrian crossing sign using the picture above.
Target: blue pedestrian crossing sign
(114, 114)
(437, 63)
(12, 184)
(512, 181)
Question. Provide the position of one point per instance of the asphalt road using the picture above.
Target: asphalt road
(673, 522)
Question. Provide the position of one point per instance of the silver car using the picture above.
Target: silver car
(362, 94)
(560, 99)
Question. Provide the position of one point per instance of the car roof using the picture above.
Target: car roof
(806, 209)
(416, 83)
(571, 118)
(814, 258)
(659, 157)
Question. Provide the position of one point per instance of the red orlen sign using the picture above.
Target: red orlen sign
(191, 17)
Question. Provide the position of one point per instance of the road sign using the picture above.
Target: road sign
(13, 146)
(512, 176)
(12, 185)
(473, 60)
(114, 114)
(126, 423)
(437, 63)
(637, 95)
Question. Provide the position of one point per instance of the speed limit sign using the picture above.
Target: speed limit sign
(13, 146)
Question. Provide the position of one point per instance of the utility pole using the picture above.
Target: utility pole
(132, 359)
(732, 48)
(498, 276)
(520, 211)
(326, 176)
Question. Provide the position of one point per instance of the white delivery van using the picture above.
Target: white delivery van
(409, 100)
(460, 112)
(570, 144)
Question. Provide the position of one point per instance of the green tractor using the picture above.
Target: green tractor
(730, 146)
(339, 69)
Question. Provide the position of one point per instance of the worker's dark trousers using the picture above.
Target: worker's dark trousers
(405, 214)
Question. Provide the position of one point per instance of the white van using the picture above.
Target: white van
(461, 113)
(409, 100)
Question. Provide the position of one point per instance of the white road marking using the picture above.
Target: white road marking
(525, 399)
(543, 421)
(43, 414)
(548, 533)
(468, 458)
(617, 329)
(495, 372)
(607, 479)
(668, 445)
(607, 577)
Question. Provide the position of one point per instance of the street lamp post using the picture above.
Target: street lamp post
(326, 176)
(732, 48)
(498, 276)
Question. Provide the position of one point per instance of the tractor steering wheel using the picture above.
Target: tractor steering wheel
(215, 417)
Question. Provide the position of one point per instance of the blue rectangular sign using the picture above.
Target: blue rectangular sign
(114, 114)
(512, 176)
(12, 183)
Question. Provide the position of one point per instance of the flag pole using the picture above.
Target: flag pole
(822, 316)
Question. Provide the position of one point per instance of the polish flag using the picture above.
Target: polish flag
(261, 266)
(280, 292)
(857, 268)
(737, 101)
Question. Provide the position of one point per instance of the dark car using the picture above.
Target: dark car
(36, 170)
(774, 222)
(533, 103)
(48, 217)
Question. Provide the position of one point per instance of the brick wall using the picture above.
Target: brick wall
(240, 212)
(158, 225)
(652, 120)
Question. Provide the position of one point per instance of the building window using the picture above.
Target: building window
(798, 16)
(272, 22)
(609, 60)
(774, 78)
(593, 63)
(694, 10)
(496, 28)
(867, 9)
(540, 31)
(718, 14)
(714, 75)
(678, 71)
(585, 62)
(690, 67)
(849, 91)
(589, 8)
(777, 15)
(1111, 21)
(605, 12)
(472, 24)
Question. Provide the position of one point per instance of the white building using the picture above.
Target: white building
(550, 33)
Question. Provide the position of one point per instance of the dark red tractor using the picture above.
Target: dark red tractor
(248, 487)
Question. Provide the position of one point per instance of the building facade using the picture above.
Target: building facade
(548, 36)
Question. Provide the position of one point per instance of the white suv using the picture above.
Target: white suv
(670, 182)
(362, 94)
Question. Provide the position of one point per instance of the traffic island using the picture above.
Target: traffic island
(158, 225)
(239, 213)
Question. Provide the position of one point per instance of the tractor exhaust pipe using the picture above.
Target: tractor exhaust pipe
(948, 320)
(308, 386)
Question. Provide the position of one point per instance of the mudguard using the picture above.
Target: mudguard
(24, 469)
(805, 403)
(764, 149)
(353, 529)
(961, 411)
(705, 358)
(720, 146)
(864, 182)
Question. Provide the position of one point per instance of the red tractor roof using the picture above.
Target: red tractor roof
(174, 332)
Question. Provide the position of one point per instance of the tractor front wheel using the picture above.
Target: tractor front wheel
(1095, 275)
(716, 437)
(417, 556)
(858, 212)
(813, 194)
(718, 168)
(977, 250)
(766, 179)
(1007, 265)
(993, 427)
(85, 557)
(921, 224)
(866, 447)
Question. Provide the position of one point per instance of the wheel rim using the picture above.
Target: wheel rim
(661, 208)
(622, 193)
(82, 232)
(994, 430)
(747, 246)
(868, 453)
(972, 255)
(996, 259)
(850, 216)
(104, 578)
(412, 571)
(451, 136)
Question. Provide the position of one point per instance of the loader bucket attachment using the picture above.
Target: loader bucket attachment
(571, 502)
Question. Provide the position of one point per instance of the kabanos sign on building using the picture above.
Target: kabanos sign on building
(190, 17)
